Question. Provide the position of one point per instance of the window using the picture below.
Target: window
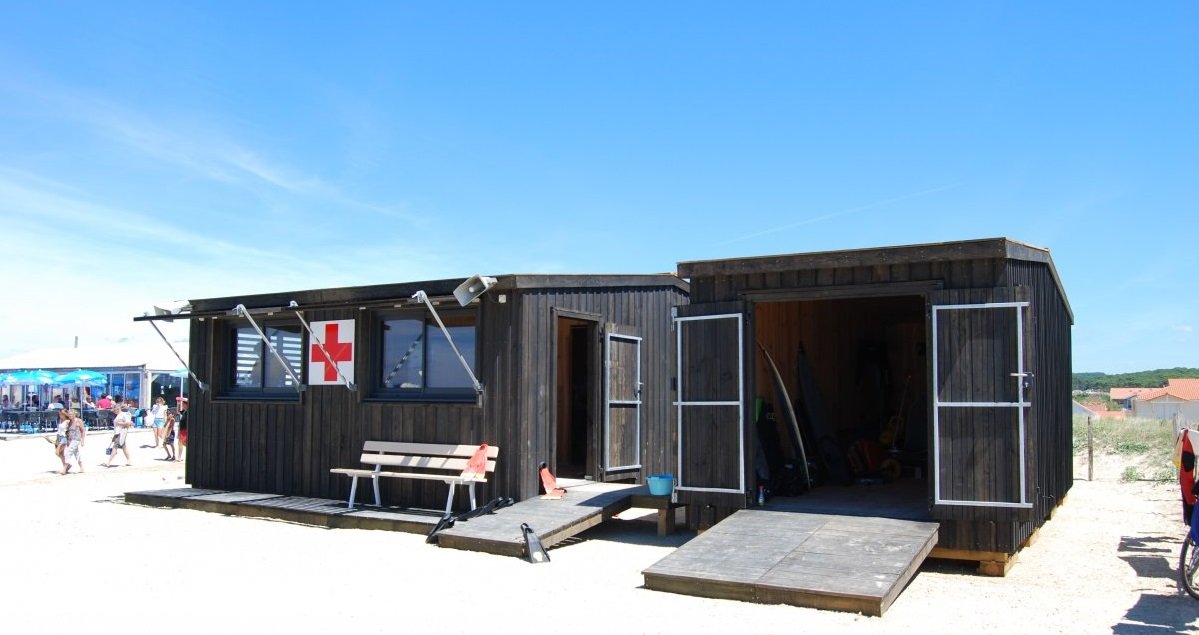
(415, 360)
(254, 370)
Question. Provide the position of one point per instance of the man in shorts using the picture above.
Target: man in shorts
(122, 424)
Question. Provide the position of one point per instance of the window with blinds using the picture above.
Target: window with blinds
(253, 369)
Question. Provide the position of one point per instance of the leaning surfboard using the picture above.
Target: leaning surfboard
(789, 411)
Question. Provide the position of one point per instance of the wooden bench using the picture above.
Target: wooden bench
(420, 461)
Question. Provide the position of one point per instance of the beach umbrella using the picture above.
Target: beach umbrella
(80, 378)
(31, 378)
(27, 378)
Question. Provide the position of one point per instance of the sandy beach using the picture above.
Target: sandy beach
(79, 559)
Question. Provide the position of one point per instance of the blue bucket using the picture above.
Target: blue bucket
(660, 484)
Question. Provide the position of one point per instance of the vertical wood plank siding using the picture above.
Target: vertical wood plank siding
(288, 447)
(646, 312)
(787, 322)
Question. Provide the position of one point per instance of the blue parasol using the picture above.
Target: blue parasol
(29, 378)
(80, 378)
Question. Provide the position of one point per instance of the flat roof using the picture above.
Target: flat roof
(985, 248)
(389, 293)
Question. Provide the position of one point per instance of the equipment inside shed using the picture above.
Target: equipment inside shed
(856, 373)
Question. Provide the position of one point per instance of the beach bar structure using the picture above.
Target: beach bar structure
(573, 371)
(938, 373)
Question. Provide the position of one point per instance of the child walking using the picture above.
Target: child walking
(168, 436)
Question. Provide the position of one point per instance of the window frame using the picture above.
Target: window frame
(227, 341)
(376, 391)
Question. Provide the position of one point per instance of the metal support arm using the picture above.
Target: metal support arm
(243, 312)
(200, 384)
(300, 314)
(423, 297)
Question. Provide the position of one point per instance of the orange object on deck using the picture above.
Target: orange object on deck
(550, 483)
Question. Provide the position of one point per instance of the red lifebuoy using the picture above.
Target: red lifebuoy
(1186, 477)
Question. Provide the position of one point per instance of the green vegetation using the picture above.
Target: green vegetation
(1148, 446)
(1142, 379)
(1131, 473)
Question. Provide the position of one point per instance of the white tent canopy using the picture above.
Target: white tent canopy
(153, 356)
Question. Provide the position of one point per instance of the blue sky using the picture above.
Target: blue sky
(153, 151)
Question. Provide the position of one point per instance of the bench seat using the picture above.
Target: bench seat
(419, 461)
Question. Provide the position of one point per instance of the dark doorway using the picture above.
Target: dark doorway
(576, 393)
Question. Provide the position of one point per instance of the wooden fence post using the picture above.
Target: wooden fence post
(1090, 451)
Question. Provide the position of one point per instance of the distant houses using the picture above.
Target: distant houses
(1124, 396)
(1178, 399)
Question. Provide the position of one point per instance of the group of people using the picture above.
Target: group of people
(57, 402)
(170, 431)
(69, 440)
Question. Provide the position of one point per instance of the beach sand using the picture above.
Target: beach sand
(77, 558)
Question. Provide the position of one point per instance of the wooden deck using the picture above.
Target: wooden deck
(582, 508)
(308, 511)
(845, 563)
(905, 499)
(772, 556)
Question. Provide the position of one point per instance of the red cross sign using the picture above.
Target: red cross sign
(337, 336)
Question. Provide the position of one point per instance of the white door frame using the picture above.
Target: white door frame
(609, 402)
(683, 403)
(1021, 405)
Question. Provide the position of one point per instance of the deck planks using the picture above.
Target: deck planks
(833, 562)
(582, 508)
(845, 563)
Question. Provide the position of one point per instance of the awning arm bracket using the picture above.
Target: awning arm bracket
(423, 297)
(243, 312)
(203, 387)
(319, 342)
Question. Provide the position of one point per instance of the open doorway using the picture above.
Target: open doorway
(576, 392)
(856, 371)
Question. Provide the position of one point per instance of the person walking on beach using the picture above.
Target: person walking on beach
(60, 438)
(122, 424)
(168, 436)
(76, 436)
(181, 428)
(158, 414)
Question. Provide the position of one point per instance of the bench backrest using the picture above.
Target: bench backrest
(430, 456)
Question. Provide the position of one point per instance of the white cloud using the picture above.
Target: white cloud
(77, 267)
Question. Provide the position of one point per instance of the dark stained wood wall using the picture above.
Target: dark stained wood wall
(288, 447)
(765, 280)
(648, 312)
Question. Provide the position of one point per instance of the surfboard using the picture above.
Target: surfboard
(789, 411)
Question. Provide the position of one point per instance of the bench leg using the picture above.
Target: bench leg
(378, 501)
(353, 492)
(472, 496)
(449, 501)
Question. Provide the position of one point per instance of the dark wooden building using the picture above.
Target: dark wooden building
(574, 370)
(951, 359)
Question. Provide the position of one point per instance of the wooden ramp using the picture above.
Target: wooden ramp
(844, 563)
(583, 507)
